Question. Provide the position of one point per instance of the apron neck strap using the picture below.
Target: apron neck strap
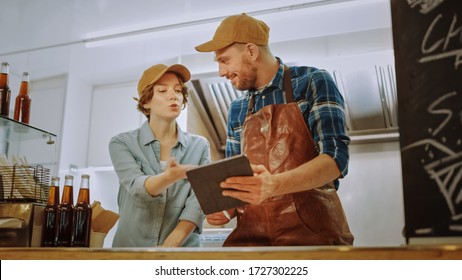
(288, 85)
(287, 89)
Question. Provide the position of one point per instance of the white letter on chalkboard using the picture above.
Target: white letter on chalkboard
(427, 35)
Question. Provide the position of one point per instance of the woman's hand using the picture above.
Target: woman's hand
(174, 172)
(177, 171)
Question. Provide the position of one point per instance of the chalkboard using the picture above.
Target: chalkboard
(427, 38)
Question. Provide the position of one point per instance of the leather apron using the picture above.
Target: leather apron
(277, 137)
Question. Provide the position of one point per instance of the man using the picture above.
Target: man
(291, 125)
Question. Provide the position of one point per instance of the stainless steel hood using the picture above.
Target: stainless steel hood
(212, 97)
(371, 105)
(370, 101)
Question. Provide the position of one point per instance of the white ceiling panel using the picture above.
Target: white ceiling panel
(47, 37)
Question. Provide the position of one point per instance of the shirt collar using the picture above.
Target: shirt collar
(181, 136)
(146, 135)
(277, 80)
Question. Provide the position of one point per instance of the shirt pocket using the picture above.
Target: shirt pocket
(141, 203)
(144, 203)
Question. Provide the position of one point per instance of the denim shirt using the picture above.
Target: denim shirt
(146, 220)
(320, 102)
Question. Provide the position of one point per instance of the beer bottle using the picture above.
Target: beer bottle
(49, 225)
(65, 214)
(82, 215)
(5, 92)
(23, 101)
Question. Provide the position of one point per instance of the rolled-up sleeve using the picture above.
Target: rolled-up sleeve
(327, 119)
(128, 169)
(192, 211)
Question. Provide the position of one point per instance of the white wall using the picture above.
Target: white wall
(76, 117)
(113, 110)
(372, 194)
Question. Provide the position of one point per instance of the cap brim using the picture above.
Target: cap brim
(213, 45)
(181, 70)
(177, 68)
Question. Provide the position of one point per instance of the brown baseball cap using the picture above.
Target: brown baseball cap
(154, 73)
(237, 29)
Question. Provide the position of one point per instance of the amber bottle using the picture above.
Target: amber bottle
(23, 101)
(65, 214)
(82, 215)
(5, 92)
(49, 225)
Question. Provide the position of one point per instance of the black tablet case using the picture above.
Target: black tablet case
(205, 181)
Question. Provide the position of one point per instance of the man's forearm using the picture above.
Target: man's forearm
(313, 174)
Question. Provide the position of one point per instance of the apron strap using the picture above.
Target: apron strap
(251, 104)
(287, 89)
(288, 85)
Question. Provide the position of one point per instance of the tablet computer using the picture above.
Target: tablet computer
(205, 181)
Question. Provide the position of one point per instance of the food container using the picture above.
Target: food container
(21, 224)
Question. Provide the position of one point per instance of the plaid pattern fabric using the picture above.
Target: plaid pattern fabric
(320, 102)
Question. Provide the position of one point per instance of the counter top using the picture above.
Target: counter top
(411, 252)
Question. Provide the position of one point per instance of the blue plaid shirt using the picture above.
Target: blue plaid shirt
(320, 102)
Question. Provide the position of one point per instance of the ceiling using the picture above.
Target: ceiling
(53, 37)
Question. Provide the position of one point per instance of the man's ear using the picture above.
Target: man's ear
(252, 50)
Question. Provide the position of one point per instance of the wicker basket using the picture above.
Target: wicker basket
(22, 183)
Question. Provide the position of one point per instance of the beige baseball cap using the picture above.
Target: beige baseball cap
(154, 73)
(237, 29)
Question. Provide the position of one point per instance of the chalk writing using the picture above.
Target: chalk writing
(448, 113)
(425, 5)
(427, 36)
(446, 170)
(439, 49)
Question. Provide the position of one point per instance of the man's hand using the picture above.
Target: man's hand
(252, 189)
(220, 218)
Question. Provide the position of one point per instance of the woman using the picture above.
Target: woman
(157, 206)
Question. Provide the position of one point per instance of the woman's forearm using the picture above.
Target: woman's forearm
(177, 237)
(156, 184)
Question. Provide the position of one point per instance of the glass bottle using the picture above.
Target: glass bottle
(23, 101)
(5, 92)
(65, 214)
(49, 225)
(82, 215)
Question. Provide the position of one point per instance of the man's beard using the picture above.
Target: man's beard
(248, 76)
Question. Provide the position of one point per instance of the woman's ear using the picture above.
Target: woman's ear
(145, 105)
(146, 108)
